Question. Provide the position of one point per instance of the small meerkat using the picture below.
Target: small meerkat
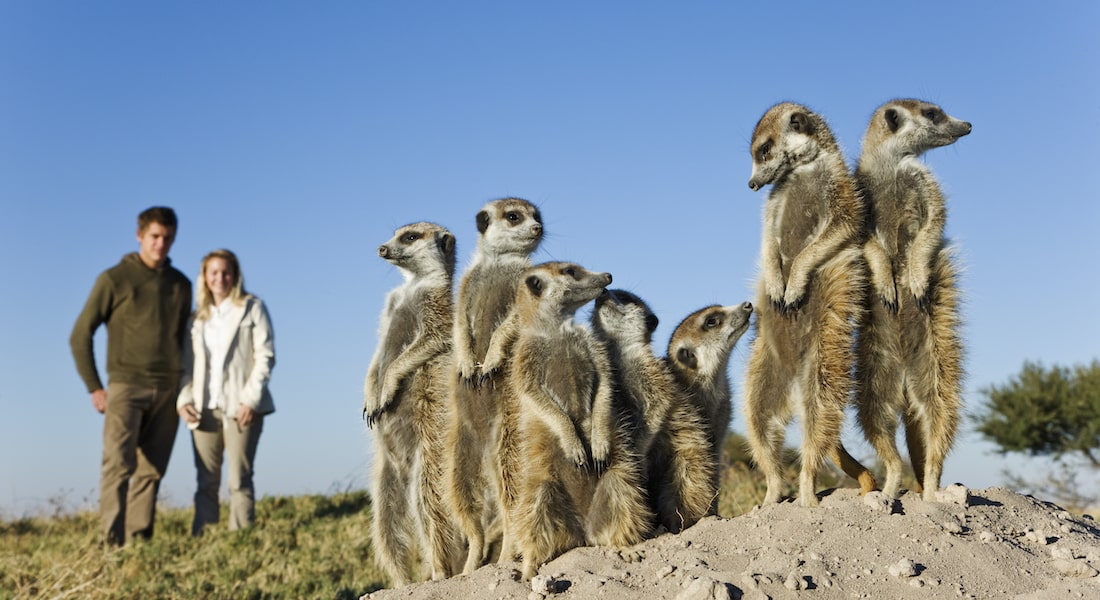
(405, 401)
(581, 481)
(669, 432)
(811, 282)
(698, 355)
(910, 352)
(510, 230)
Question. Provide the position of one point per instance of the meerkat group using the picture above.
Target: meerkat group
(505, 428)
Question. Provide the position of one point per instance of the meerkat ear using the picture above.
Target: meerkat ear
(687, 357)
(446, 243)
(482, 221)
(535, 285)
(651, 322)
(801, 123)
(893, 121)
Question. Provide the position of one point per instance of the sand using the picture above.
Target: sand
(989, 543)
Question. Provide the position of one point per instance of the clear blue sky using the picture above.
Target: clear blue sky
(300, 135)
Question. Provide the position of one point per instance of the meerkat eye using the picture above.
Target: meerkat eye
(933, 115)
(513, 217)
(763, 151)
(410, 237)
(712, 322)
(570, 271)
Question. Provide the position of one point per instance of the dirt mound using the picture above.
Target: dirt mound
(991, 543)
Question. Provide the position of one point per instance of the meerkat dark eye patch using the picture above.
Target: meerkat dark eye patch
(513, 217)
(535, 285)
(482, 221)
(763, 151)
(892, 120)
(712, 321)
(411, 237)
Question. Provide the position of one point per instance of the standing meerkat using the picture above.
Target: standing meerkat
(808, 298)
(581, 481)
(668, 431)
(698, 355)
(909, 352)
(510, 231)
(406, 399)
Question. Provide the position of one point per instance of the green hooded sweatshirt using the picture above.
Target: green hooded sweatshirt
(146, 312)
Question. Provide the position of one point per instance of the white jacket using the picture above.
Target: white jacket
(248, 362)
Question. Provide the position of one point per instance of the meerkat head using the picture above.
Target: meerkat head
(702, 343)
(787, 136)
(556, 290)
(623, 316)
(421, 249)
(510, 225)
(910, 127)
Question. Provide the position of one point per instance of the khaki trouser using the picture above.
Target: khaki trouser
(213, 436)
(139, 429)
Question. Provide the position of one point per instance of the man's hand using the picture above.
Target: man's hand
(99, 400)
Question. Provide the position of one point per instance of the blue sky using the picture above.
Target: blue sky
(300, 135)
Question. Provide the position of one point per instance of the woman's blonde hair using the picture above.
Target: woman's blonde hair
(204, 298)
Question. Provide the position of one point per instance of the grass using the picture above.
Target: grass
(302, 547)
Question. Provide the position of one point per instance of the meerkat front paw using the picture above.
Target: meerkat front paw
(467, 371)
(918, 286)
(773, 288)
(575, 452)
(601, 454)
(887, 292)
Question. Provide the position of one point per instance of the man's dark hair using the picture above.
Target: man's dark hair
(157, 214)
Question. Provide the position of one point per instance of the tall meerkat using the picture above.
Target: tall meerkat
(510, 231)
(668, 431)
(808, 298)
(909, 352)
(581, 481)
(406, 401)
(698, 355)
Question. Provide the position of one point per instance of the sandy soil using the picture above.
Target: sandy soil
(990, 543)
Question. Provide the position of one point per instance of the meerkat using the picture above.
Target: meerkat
(698, 356)
(510, 230)
(811, 279)
(581, 482)
(668, 432)
(909, 351)
(405, 401)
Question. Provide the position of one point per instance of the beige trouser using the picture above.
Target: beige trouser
(213, 437)
(139, 429)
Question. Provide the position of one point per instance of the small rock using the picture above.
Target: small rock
(1062, 553)
(879, 502)
(903, 568)
(794, 582)
(952, 527)
(749, 581)
(954, 494)
(987, 536)
(665, 571)
(917, 582)
(544, 584)
(535, 596)
(705, 588)
(1074, 568)
(1037, 536)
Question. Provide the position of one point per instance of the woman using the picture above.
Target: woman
(224, 395)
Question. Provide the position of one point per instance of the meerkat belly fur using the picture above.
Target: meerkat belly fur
(406, 402)
(812, 278)
(668, 431)
(510, 231)
(581, 481)
(909, 352)
(698, 357)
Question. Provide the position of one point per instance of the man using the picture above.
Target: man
(145, 303)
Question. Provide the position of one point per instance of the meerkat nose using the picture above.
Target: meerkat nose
(753, 185)
(383, 251)
(747, 307)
